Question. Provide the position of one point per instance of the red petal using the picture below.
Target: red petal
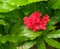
(35, 14)
(44, 27)
(46, 17)
(26, 18)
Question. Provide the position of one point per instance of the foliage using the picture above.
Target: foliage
(9, 5)
(13, 31)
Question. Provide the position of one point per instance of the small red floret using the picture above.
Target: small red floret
(35, 22)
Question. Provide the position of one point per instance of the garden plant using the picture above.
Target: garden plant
(29, 23)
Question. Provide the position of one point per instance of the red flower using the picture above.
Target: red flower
(35, 22)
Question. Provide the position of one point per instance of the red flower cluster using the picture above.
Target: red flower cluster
(36, 22)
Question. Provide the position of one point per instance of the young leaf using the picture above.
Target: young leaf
(41, 45)
(54, 34)
(52, 42)
(24, 31)
(28, 45)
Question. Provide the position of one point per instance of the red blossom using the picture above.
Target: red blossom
(35, 22)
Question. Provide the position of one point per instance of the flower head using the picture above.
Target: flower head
(35, 22)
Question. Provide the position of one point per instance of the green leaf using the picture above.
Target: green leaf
(41, 45)
(28, 45)
(6, 25)
(54, 19)
(13, 16)
(15, 38)
(54, 34)
(6, 7)
(16, 28)
(18, 2)
(12, 38)
(30, 1)
(9, 20)
(54, 4)
(2, 22)
(52, 42)
(24, 31)
(9, 5)
(3, 39)
(50, 27)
